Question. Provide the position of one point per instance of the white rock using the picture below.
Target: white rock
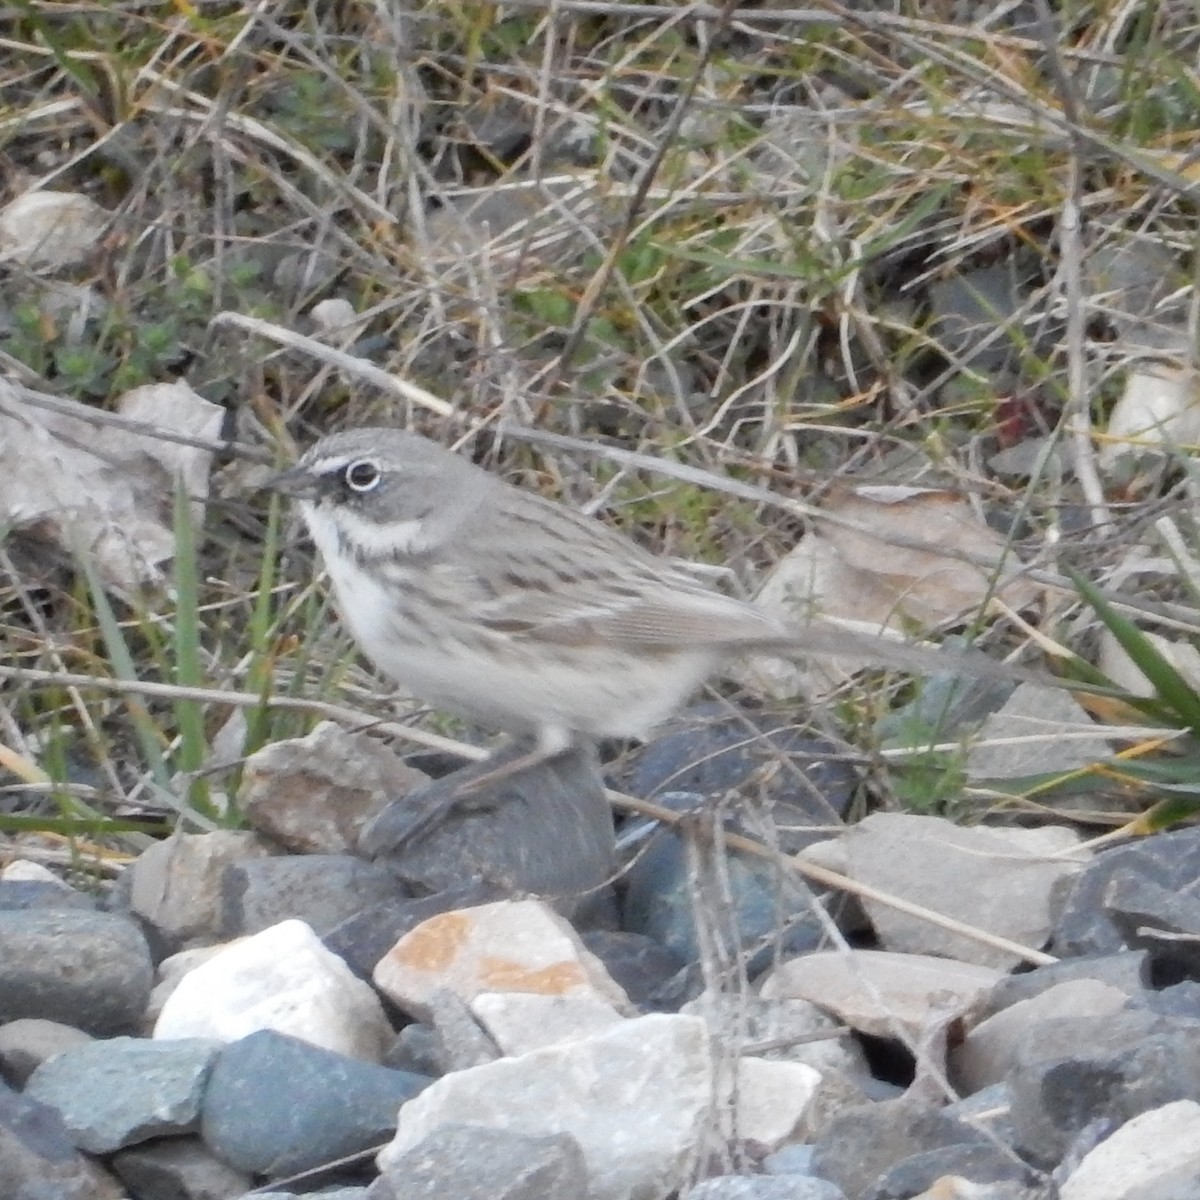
(879, 992)
(1156, 1154)
(49, 229)
(769, 1100)
(519, 1022)
(283, 979)
(637, 1098)
(22, 870)
(510, 946)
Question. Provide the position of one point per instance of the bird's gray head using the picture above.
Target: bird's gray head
(378, 491)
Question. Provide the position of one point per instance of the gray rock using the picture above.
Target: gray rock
(90, 969)
(174, 886)
(26, 1043)
(1098, 1073)
(178, 1168)
(118, 1092)
(764, 1187)
(38, 1159)
(322, 890)
(544, 831)
(474, 1163)
(276, 1105)
(1154, 878)
(861, 1145)
(990, 1049)
(1127, 970)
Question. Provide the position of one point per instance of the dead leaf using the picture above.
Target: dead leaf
(101, 489)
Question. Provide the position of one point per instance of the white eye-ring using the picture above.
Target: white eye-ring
(362, 475)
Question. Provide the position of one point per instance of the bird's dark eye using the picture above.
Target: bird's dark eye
(362, 475)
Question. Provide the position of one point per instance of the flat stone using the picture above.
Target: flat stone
(912, 987)
(636, 1098)
(511, 946)
(282, 979)
(924, 860)
(76, 966)
(121, 1091)
(276, 1105)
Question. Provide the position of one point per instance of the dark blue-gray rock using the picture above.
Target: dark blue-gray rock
(1065, 1080)
(860, 1145)
(418, 1049)
(122, 1091)
(84, 968)
(178, 1168)
(711, 752)
(322, 890)
(544, 831)
(1127, 970)
(1120, 900)
(980, 1163)
(364, 938)
(469, 1162)
(772, 909)
(643, 967)
(36, 893)
(764, 1187)
(276, 1105)
(26, 1043)
(38, 1159)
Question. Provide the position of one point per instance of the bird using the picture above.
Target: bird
(523, 615)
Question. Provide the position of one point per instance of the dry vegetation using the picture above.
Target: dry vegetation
(785, 247)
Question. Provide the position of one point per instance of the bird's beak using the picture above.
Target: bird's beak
(298, 483)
